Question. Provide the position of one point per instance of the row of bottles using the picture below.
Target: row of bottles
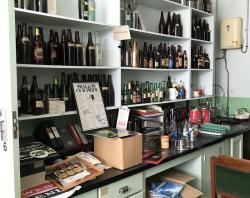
(34, 5)
(33, 100)
(161, 57)
(148, 92)
(201, 30)
(200, 59)
(129, 14)
(32, 49)
(203, 5)
(172, 26)
(87, 9)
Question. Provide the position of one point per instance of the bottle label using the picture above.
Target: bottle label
(38, 54)
(156, 64)
(160, 94)
(65, 98)
(145, 63)
(105, 88)
(176, 63)
(71, 44)
(138, 98)
(39, 104)
(53, 54)
(125, 99)
(149, 94)
(78, 45)
(19, 103)
(128, 17)
(134, 99)
(91, 47)
(144, 96)
(185, 64)
(163, 62)
(180, 62)
(151, 65)
(171, 63)
(85, 13)
(25, 39)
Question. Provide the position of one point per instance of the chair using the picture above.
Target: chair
(230, 177)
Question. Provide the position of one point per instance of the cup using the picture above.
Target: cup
(173, 93)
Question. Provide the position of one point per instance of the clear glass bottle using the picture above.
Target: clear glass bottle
(92, 10)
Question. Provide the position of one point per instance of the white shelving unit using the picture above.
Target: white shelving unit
(107, 17)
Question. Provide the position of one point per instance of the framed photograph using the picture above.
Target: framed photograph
(90, 106)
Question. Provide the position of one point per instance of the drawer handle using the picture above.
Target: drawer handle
(123, 190)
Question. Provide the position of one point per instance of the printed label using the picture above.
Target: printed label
(38, 54)
(39, 104)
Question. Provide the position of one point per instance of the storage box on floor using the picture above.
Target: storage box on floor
(178, 177)
(120, 153)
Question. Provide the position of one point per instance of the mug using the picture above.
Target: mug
(173, 93)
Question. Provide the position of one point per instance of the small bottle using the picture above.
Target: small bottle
(90, 52)
(78, 50)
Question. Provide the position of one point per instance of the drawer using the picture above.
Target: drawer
(137, 195)
(90, 194)
(123, 188)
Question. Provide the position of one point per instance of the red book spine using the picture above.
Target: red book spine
(74, 134)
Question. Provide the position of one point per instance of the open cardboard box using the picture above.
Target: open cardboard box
(120, 153)
(179, 177)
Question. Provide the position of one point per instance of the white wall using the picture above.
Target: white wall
(239, 64)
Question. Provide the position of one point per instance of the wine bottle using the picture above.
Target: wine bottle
(128, 14)
(98, 49)
(111, 92)
(150, 57)
(174, 25)
(24, 96)
(134, 54)
(145, 56)
(64, 49)
(70, 103)
(38, 48)
(43, 43)
(25, 49)
(162, 24)
(63, 90)
(104, 89)
(78, 50)
(83, 9)
(185, 60)
(55, 90)
(180, 30)
(90, 52)
(40, 5)
(168, 24)
(36, 101)
(51, 51)
(71, 49)
(47, 97)
(138, 93)
(57, 48)
(91, 10)
(19, 44)
(134, 15)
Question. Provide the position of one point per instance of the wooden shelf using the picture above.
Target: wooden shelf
(152, 69)
(143, 34)
(59, 21)
(43, 116)
(27, 66)
(198, 41)
(201, 14)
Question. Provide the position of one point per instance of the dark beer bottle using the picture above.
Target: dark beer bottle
(162, 24)
(36, 100)
(25, 50)
(78, 50)
(71, 49)
(90, 52)
(38, 48)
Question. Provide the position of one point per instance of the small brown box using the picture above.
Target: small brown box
(120, 153)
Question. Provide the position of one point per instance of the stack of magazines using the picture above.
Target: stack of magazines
(165, 189)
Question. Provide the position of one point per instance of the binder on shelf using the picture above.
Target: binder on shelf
(56, 134)
(78, 129)
(74, 134)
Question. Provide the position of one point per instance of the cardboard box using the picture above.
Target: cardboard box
(120, 153)
(179, 177)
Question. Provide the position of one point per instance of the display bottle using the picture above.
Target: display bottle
(63, 89)
(40, 5)
(134, 93)
(57, 48)
(36, 101)
(138, 93)
(25, 47)
(83, 9)
(43, 43)
(168, 24)
(38, 49)
(180, 26)
(162, 24)
(19, 44)
(207, 61)
(171, 64)
(157, 58)
(181, 91)
(174, 25)
(134, 54)
(84, 78)
(152, 93)
(31, 36)
(71, 49)
(90, 79)
(51, 50)
(104, 89)
(165, 91)
(63, 49)
(140, 64)
(179, 58)
(129, 93)
(24, 96)
(78, 50)
(156, 93)
(70, 103)
(124, 98)
(193, 29)
(134, 15)
(47, 97)
(111, 92)
(143, 93)
(91, 10)
(185, 60)
(122, 12)
(55, 90)
(98, 49)
(150, 57)
(169, 83)
(90, 52)
(128, 14)
(148, 93)
(145, 56)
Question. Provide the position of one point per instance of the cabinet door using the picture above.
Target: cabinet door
(123, 188)
(218, 149)
(236, 147)
(137, 195)
(90, 194)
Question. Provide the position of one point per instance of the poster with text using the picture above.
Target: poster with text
(90, 106)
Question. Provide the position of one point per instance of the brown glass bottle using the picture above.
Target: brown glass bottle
(83, 9)
(111, 92)
(63, 49)
(78, 50)
(18, 43)
(38, 48)
(168, 24)
(104, 89)
(47, 97)
(90, 52)
(70, 103)
(71, 49)
(162, 24)
(63, 90)
(57, 48)
(36, 101)
(24, 96)
(51, 50)
(25, 48)
(145, 55)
